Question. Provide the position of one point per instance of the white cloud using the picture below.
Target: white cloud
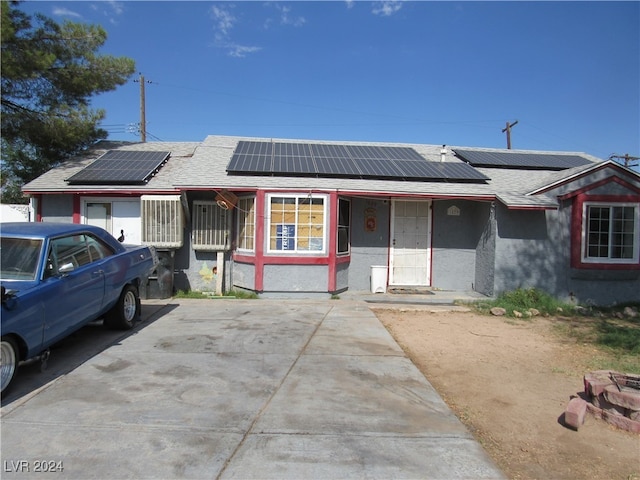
(224, 22)
(350, 3)
(387, 8)
(116, 7)
(65, 12)
(287, 19)
(110, 9)
(241, 51)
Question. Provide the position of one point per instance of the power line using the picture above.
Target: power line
(628, 159)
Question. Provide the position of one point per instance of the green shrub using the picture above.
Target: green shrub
(231, 294)
(523, 299)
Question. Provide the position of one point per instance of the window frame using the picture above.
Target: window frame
(75, 249)
(584, 258)
(341, 227)
(298, 198)
(245, 212)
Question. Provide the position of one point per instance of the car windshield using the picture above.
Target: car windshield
(19, 258)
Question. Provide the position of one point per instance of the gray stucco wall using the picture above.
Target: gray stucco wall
(455, 241)
(526, 256)
(244, 275)
(486, 256)
(298, 278)
(342, 276)
(533, 250)
(198, 270)
(367, 247)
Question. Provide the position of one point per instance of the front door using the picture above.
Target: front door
(410, 254)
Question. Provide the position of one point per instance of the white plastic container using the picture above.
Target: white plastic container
(378, 279)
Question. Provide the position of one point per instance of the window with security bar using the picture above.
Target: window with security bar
(611, 233)
(210, 226)
(162, 221)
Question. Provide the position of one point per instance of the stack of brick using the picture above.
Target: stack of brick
(608, 397)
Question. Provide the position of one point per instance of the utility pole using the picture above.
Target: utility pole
(143, 119)
(627, 159)
(508, 130)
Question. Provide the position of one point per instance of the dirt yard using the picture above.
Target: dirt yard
(509, 382)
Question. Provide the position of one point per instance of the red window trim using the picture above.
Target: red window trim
(576, 231)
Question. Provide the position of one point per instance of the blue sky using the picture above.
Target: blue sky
(420, 72)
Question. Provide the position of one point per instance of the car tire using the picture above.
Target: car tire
(8, 363)
(126, 312)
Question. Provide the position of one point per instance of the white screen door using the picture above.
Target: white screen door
(410, 253)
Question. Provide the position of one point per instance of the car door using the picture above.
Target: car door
(75, 284)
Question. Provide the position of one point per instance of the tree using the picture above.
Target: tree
(49, 73)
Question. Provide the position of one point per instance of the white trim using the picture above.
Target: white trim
(585, 228)
(349, 228)
(298, 197)
(243, 214)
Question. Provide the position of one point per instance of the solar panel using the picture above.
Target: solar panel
(293, 164)
(344, 167)
(507, 159)
(350, 161)
(377, 168)
(120, 167)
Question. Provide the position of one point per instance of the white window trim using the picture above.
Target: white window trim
(243, 214)
(296, 252)
(349, 226)
(636, 235)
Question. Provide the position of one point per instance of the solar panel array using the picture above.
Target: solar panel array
(351, 161)
(120, 167)
(506, 159)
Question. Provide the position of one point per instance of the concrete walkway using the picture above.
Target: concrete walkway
(243, 389)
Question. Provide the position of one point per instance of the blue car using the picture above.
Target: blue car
(56, 278)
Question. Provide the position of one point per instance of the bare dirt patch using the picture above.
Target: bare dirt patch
(510, 382)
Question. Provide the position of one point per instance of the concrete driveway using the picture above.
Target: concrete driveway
(236, 389)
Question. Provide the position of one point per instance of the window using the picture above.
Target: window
(162, 224)
(19, 258)
(246, 223)
(210, 230)
(74, 250)
(610, 233)
(297, 224)
(344, 225)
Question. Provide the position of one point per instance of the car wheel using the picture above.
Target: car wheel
(126, 311)
(8, 361)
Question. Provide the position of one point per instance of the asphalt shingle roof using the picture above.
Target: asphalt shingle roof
(202, 165)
